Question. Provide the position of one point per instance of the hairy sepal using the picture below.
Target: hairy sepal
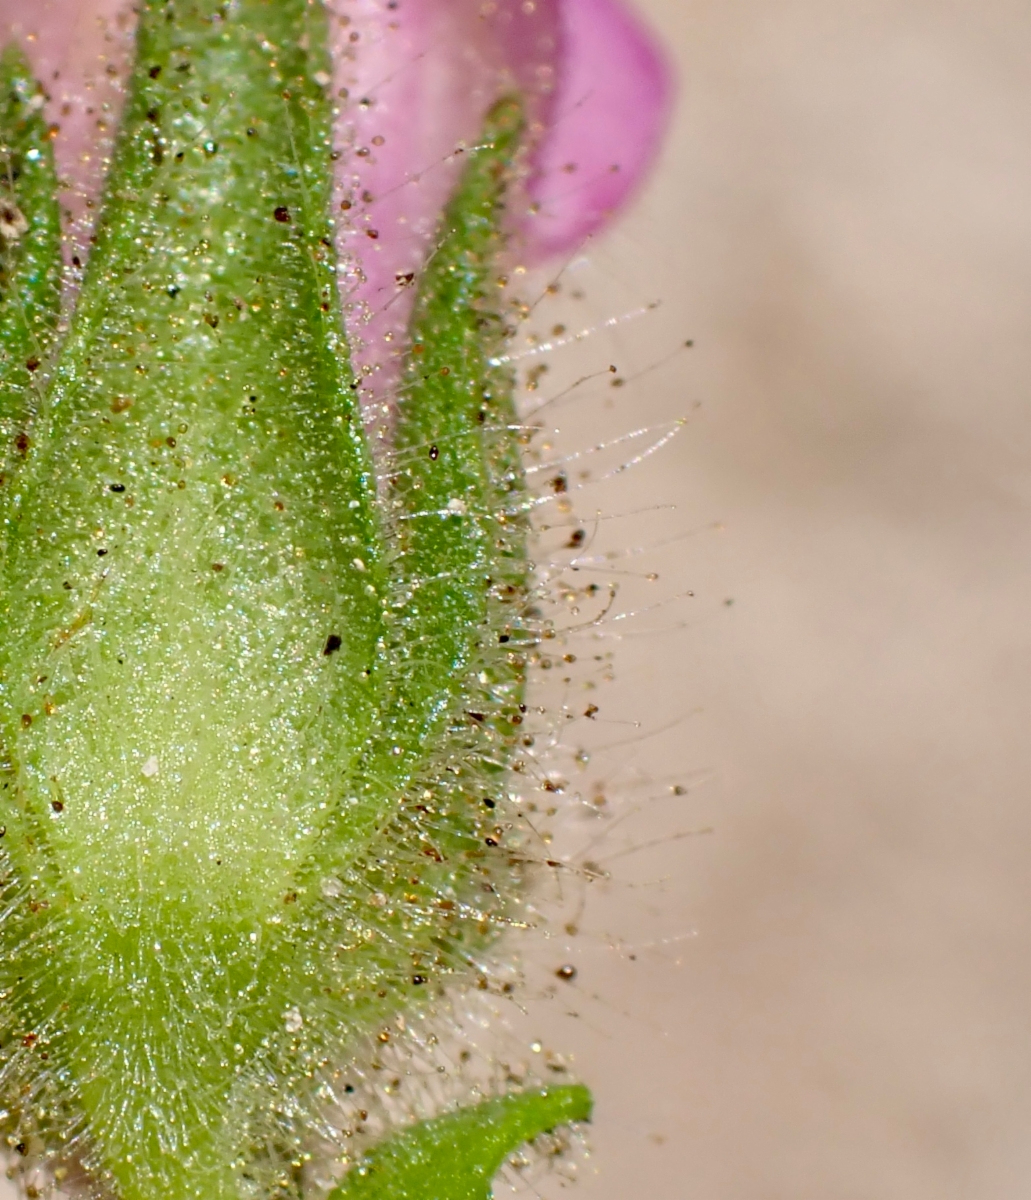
(30, 262)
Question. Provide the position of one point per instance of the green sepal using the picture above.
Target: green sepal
(458, 487)
(455, 1157)
(456, 515)
(30, 256)
(243, 799)
(191, 602)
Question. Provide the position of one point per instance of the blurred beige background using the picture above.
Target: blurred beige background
(828, 997)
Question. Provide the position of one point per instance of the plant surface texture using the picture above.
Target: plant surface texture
(260, 690)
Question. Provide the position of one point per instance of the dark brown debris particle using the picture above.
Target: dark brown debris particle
(333, 644)
(282, 214)
(13, 222)
(566, 972)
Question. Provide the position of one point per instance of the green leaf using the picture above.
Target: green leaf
(455, 1157)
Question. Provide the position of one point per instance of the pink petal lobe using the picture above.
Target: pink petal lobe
(410, 84)
(529, 37)
(613, 104)
(416, 78)
(80, 53)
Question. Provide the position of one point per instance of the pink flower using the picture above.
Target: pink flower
(414, 78)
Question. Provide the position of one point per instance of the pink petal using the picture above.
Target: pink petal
(419, 76)
(411, 84)
(529, 35)
(615, 91)
(80, 53)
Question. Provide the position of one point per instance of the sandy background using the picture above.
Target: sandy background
(842, 224)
